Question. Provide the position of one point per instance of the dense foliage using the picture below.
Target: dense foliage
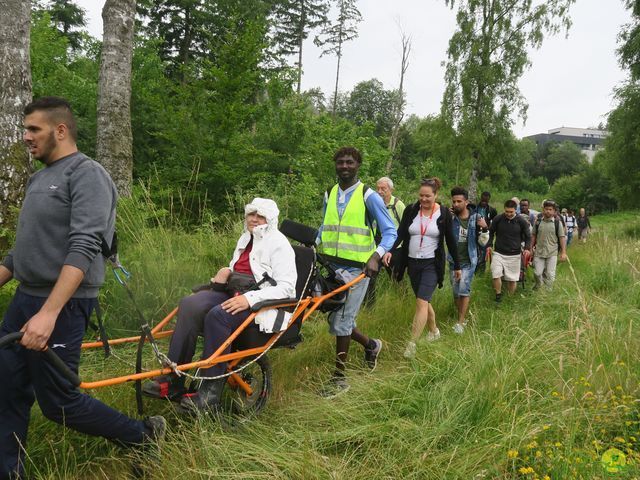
(217, 119)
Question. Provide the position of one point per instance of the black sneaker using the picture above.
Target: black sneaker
(170, 387)
(337, 385)
(371, 354)
(498, 297)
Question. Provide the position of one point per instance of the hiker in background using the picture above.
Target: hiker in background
(394, 205)
(422, 233)
(346, 239)
(216, 312)
(396, 209)
(584, 226)
(526, 212)
(509, 231)
(570, 225)
(471, 232)
(547, 240)
(517, 202)
(487, 212)
(68, 213)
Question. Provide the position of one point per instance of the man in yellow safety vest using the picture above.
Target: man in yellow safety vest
(346, 239)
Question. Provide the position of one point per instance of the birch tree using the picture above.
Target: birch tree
(335, 35)
(487, 56)
(114, 139)
(15, 94)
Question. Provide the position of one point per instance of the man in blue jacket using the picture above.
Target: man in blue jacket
(471, 232)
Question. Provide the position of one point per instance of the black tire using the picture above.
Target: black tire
(258, 375)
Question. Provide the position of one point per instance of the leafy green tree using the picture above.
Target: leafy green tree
(564, 158)
(431, 149)
(75, 77)
(623, 146)
(369, 102)
(487, 55)
(334, 35)
(189, 28)
(292, 22)
(629, 51)
(69, 19)
(623, 143)
(589, 189)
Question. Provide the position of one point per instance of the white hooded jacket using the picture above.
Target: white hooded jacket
(272, 254)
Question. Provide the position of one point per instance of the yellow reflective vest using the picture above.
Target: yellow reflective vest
(349, 237)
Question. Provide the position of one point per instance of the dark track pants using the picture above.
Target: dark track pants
(26, 376)
(201, 314)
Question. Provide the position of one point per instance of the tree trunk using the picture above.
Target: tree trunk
(335, 91)
(399, 107)
(15, 94)
(114, 139)
(303, 21)
(473, 179)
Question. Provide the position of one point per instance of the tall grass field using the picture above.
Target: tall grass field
(542, 386)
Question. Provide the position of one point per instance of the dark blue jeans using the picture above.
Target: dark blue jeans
(26, 376)
(201, 314)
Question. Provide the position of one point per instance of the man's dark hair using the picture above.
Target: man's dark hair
(348, 151)
(486, 195)
(549, 203)
(510, 204)
(58, 110)
(460, 191)
(524, 200)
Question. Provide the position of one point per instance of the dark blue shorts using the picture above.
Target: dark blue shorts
(423, 277)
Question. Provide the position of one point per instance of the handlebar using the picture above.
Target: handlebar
(49, 354)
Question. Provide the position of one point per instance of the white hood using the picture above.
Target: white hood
(264, 207)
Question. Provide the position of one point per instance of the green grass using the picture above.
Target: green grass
(545, 381)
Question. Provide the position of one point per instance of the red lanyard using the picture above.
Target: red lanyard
(423, 227)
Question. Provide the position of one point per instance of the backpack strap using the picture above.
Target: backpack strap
(394, 209)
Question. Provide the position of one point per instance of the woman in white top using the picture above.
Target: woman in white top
(424, 228)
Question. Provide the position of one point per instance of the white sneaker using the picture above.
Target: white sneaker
(458, 328)
(433, 336)
(410, 351)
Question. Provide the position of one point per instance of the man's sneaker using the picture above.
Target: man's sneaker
(458, 328)
(156, 428)
(337, 385)
(371, 354)
(170, 387)
(433, 336)
(498, 297)
(410, 351)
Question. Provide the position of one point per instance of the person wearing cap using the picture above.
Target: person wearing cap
(262, 249)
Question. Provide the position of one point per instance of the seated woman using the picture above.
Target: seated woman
(261, 249)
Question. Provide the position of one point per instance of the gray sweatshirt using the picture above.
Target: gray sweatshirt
(69, 207)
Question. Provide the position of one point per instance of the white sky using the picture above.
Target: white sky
(570, 83)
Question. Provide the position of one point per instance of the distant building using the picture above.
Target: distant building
(589, 140)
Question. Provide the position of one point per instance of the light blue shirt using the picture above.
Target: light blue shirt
(375, 207)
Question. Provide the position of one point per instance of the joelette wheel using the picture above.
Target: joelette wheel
(258, 376)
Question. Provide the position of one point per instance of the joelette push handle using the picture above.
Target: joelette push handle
(49, 354)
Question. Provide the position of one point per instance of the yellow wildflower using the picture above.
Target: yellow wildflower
(526, 470)
(512, 454)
